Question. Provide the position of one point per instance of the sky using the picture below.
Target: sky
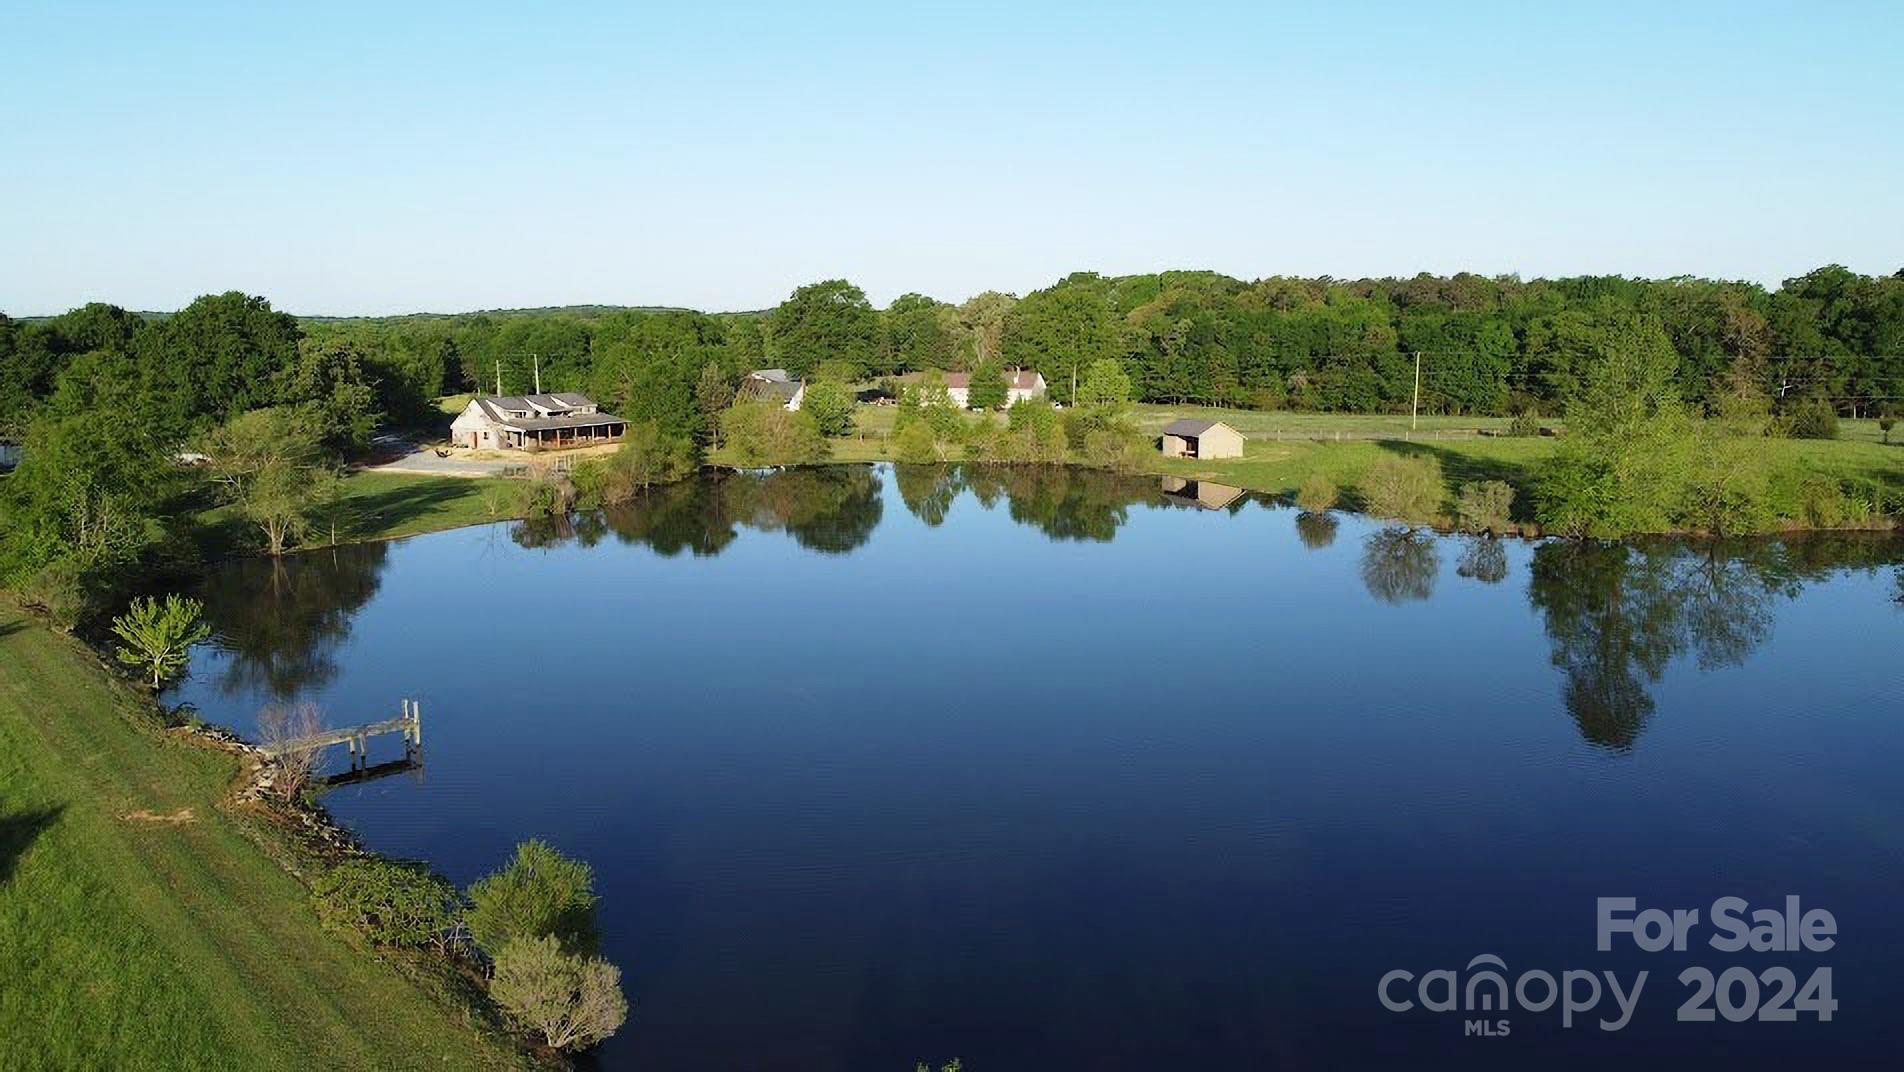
(362, 159)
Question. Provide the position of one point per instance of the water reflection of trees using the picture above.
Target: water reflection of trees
(280, 621)
(1617, 614)
(1483, 558)
(835, 509)
(1399, 565)
(832, 509)
(1062, 502)
(1316, 530)
(929, 490)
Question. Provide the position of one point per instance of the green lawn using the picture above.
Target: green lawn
(386, 505)
(382, 506)
(129, 941)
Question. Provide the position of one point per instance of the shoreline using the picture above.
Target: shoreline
(1522, 530)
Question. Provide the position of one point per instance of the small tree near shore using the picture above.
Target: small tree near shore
(278, 727)
(1316, 494)
(1484, 506)
(573, 1001)
(542, 893)
(1404, 488)
(765, 433)
(158, 635)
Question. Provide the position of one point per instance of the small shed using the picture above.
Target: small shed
(1190, 438)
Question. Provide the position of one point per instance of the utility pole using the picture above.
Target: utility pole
(499, 377)
(537, 358)
(1414, 411)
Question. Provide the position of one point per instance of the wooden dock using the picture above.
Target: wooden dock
(357, 738)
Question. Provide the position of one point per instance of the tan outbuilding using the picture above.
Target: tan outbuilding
(1187, 438)
(1204, 493)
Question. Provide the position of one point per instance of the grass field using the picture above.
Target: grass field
(1279, 466)
(141, 928)
(387, 505)
(382, 506)
(1284, 449)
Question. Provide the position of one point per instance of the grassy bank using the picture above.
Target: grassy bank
(140, 927)
(1279, 466)
(387, 505)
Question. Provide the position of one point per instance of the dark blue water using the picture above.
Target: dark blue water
(1045, 769)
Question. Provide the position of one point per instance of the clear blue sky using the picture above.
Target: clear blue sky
(377, 158)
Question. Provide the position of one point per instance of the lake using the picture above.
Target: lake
(1046, 768)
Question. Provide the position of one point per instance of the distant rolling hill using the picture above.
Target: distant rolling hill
(584, 312)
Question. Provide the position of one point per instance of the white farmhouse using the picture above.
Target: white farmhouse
(1019, 384)
(534, 422)
(772, 385)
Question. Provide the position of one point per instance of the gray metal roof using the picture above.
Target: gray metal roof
(544, 424)
(1190, 426)
(759, 388)
(497, 406)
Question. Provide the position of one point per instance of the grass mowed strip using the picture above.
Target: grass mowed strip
(141, 928)
(383, 506)
(386, 505)
(1275, 423)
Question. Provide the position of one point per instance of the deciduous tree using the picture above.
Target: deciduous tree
(156, 636)
(272, 466)
(540, 894)
(827, 321)
(572, 1001)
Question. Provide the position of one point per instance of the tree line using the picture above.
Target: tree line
(1496, 345)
